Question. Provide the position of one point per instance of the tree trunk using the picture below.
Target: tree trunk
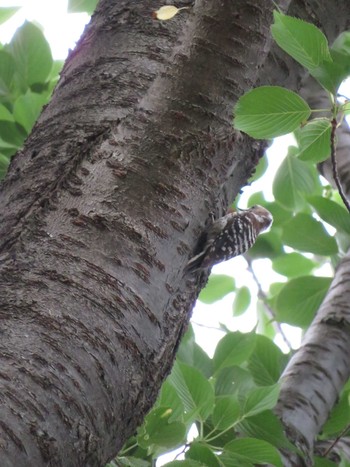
(100, 213)
(102, 209)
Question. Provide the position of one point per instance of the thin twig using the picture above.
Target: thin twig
(263, 297)
(186, 446)
(214, 328)
(334, 164)
(327, 451)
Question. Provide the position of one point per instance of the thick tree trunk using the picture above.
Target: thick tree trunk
(100, 213)
(316, 374)
(102, 209)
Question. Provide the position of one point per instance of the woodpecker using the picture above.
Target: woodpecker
(231, 235)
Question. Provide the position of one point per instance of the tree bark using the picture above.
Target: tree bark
(100, 213)
(315, 375)
(102, 209)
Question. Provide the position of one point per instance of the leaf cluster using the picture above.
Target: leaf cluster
(225, 404)
(28, 75)
(270, 111)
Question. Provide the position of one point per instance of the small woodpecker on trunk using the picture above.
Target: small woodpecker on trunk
(230, 236)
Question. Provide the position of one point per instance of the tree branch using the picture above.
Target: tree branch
(320, 367)
(334, 164)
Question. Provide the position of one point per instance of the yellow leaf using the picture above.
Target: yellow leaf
(166, 12)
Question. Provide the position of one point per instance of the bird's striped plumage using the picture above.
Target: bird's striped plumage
(230, 236)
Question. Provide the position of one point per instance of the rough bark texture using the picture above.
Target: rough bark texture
(316, 374)
(103, 207)
(100, 213)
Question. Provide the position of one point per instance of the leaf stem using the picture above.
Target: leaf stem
(320, 110)
(328, 450)
(126, 450)
(209, 440)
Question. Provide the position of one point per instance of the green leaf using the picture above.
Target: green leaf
(266, 362)
(191, 353)
(293, 265)
(159, 431)
(4, 163)
(233, 349)
(341, 46)
(300, 298)
(226, 412)
(232, 380)
(331, 212)
(305, 233)
(331, 74)
(82, 6)
(7, 67)
(185, 463)
(266, 426)
(340, 52)
(221, 437)
(7, 12)
(257, 198)
(57, 66)
(322, 462)
(261, 399)
(241, 301)
(32, 55)
(27, 109)
(302, 41)
(129, 461)
(169, 398)
(7, 149)
(279, 213)
(203, 454)
(265, 325)
(270, 111)
(293, 179)
(268, 245)
(315, 141)
(218, 286)
(338, 419)
(346, 108)
(5, 114)
(275, 288)
(12, 133)
(255, 451)
(194, 390)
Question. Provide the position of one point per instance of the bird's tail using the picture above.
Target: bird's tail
(195, 263)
